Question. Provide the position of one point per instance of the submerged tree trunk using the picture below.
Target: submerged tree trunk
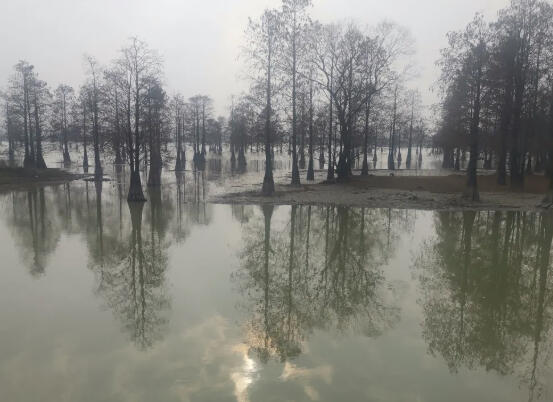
(154, 175)
(28, 160)
(391, 163)
(242, 163)
(11, 145)
(310, 171)
(295, 169)
(98, 171)
(135, 189)
(365, 167)
(330, 171)
(40, 163)
(410, 144)
(85, 153)
(156, 164)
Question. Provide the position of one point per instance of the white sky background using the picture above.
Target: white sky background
(200, 40)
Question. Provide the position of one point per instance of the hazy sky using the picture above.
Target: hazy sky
(200, 39)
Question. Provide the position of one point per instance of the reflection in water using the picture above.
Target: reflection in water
(127, 246)
(298, 274)
(324, 271)
(130, 264)
(33, 229)
(131, 275)
(487, 293)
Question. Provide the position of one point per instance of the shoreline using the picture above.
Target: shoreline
(442, 193)
(23, 178)
(438, 193)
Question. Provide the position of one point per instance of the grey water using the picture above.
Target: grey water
(179, 299)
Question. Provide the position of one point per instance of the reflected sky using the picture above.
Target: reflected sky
(182, 300)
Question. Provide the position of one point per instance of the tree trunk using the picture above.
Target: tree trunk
(268, 182)
(472, 184)
(310, 171)
(40, 163)
(330, 171)
(135, 189)
(295, 169)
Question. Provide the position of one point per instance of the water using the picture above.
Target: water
(430, 164)
(182, 300)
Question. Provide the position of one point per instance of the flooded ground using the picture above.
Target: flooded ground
(182, 300)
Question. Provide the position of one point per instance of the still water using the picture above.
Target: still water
(183, 300)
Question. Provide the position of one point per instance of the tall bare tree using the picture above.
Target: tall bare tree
(137, 65)
(295, 22)
(263, 42)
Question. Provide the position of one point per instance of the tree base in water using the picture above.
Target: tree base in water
(295, 175)
(154, 178)
(40, 163)
(365, 167)
(343, 170)
(66, 158)
(135, 189)
(310, 171)
(28, 162)
(268, 186)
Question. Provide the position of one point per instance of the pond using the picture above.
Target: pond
(182, 300)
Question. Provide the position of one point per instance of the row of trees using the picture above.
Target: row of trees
(337, 88)
(497, 94)
(332, 90)
(121, 111)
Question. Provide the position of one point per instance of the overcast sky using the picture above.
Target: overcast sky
(200, 39)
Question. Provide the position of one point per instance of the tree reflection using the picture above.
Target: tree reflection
(127, 248)
(33, 229)
(323, 270)
(130, 267)
(192, 207)
(487, 292)
(132, 280)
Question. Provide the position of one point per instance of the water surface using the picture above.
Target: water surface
(182, 300)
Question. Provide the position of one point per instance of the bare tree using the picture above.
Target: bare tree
(137, 64)
(263, 42)
(94, 78)
(63, 100)
(294, 27)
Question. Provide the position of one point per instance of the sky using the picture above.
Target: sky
(200, 40)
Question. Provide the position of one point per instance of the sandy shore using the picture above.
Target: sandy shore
(405, 192)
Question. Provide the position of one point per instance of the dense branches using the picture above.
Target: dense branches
(496, 93)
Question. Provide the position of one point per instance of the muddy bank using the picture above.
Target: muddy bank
(21, 178)
(402, 192)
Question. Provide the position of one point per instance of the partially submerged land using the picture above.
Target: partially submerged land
(495, 107)
(439, 192)
(412, 192)
(17, 178)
